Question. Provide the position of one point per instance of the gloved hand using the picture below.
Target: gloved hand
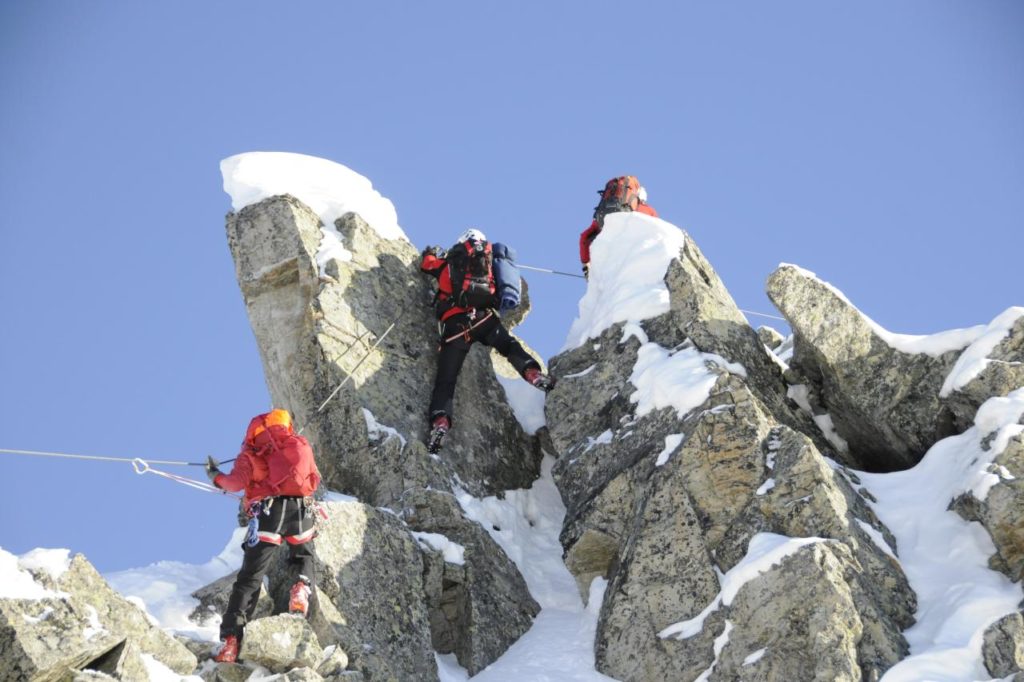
(211, 468)
(507, 304)
(586, 271)
(435, 251)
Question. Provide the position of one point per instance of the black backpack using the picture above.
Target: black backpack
(472, 277)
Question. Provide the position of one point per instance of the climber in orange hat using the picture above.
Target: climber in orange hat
(278, 473)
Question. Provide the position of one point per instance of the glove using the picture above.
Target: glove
(507, 304)
(586, 271)
(435, 251)
(211, 468)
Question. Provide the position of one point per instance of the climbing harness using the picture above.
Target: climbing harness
(465, 332)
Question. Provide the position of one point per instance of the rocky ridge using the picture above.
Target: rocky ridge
(734, 532)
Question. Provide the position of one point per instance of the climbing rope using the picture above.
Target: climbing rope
(38, 453)
(570, 274)
(140, 466)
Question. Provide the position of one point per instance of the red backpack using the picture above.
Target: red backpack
(619, 194)
(471, 274)
(291, 468)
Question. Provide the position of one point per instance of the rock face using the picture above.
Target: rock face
(351, 350)
(1000, 511)
(84, 625)
(370, 598)
(663, 504)
(477, 608)
(1004, 646)
(888, 404)
(314, 331)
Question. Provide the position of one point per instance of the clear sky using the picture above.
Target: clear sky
(878, 144)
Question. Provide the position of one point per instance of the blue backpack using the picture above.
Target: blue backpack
(506, 275)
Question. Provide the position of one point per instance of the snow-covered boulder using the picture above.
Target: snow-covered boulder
(892, 396)
(60, 616)
(677, 448)
(322, 285)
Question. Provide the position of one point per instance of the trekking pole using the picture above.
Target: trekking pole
(551, 272)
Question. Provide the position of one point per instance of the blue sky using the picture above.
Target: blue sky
(878, 144)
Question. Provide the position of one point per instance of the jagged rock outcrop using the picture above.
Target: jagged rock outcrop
(280, 643)
(370, 598)
(480, 607)
(771, 338)
(1003, 649)
(1001, 511)
(82, 624)
(887, 404)
(313, 331)
(663, 504)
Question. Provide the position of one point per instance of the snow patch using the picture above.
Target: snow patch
(378, 431)
(560, 645)
(55, 562)
(719, 644)
(627, 271)
(329, 188)
(944, 557)
(94, 626)
(16, 583)
(164, 589)
(453, 552)
(603, 439)
(765, 487)
(577, 375)
(664, 378)
(671, 443)
(754, 657)
(974, 359)
(526, 401)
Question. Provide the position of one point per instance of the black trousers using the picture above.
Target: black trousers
(453, 353)
(286, 518)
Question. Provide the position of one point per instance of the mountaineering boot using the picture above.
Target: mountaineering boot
(438, 429)
(538, 379)
(229, 652)
(298, 600)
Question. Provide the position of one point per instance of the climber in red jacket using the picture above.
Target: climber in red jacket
(278, 473)
(619, 194)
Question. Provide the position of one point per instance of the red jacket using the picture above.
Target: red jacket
(588, 235)
(251, 470)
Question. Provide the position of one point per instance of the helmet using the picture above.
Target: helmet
(642, 194)
(472, 234)
(262, 422)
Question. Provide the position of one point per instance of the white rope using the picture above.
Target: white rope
(38, 453)
(773, 317)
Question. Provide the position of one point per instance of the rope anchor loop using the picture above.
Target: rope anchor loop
(140, 465)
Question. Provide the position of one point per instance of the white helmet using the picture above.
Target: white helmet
(642, 194)
(472, 234)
